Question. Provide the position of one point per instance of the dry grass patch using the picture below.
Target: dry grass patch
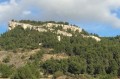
(54, 56)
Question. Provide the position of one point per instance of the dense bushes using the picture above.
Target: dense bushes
(26, 39)
(96, 57)
(30, 71)
(5, 71)
(41, 22)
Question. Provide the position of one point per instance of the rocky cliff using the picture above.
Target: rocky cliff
(51, 27)
(13, 24)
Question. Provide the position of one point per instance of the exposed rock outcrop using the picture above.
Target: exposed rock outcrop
(59, 38)
(13, 24)
(64, 33)
(51, 26)
(91, 36)
(64, 27)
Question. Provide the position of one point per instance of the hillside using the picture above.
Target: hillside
(59, 50)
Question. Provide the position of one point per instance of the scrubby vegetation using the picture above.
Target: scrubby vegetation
(88, 58)
(29, 71)
(5, 71)
(41, 22)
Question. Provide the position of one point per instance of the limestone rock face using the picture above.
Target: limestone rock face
(13, 24)
(96, 38)
(65, 27)
(91, 36)
(64, 33)
(51, 26)
(59, 38)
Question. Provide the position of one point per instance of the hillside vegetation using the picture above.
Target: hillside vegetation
(83, 58)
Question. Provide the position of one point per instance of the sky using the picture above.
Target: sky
(95, 16)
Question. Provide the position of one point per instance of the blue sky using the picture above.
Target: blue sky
(3, 0)
(95, 16)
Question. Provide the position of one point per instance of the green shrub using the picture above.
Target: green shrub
(5, 71)
(30, 71)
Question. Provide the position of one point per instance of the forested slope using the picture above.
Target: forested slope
(88, 59)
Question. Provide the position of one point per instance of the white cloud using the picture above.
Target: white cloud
(75, 10)
(26, 12)
(9, 10)
(13, 2)
(82, 10)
